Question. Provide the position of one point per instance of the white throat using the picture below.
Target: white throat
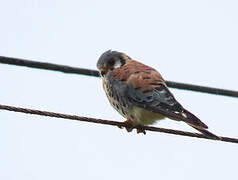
(117, 64)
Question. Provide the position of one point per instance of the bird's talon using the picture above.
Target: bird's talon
(139, 129)
(120, 126)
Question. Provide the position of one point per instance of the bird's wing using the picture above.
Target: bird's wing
(161, 101)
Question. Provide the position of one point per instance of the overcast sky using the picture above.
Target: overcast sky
(186, 41)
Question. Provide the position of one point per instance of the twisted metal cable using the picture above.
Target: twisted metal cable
(89, 72)
(108, 122)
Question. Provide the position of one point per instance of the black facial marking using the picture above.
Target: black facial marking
(111, 62)
(122, 61)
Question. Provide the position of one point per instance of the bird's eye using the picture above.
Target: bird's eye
(111, 62)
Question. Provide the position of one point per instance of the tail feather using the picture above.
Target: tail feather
(197, 124)
(208, 133)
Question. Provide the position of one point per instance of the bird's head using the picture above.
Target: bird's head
(111, 60)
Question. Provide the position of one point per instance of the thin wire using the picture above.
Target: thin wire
(108, 122)
(89, 72)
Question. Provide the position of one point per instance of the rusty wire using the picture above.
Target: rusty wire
(109, 122)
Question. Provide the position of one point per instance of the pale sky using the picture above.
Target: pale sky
(186, 41)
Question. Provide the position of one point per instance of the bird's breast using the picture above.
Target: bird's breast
(115, 99)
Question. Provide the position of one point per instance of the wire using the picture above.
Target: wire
(48, 66)
(108, 122)
(74, 70)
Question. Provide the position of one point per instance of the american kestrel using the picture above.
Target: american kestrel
(139, 93)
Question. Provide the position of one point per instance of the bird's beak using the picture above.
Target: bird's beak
(103, 71)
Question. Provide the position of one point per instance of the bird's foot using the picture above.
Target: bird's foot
(140, 129)
(130, 125)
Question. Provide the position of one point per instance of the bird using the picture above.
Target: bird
(140, 94)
